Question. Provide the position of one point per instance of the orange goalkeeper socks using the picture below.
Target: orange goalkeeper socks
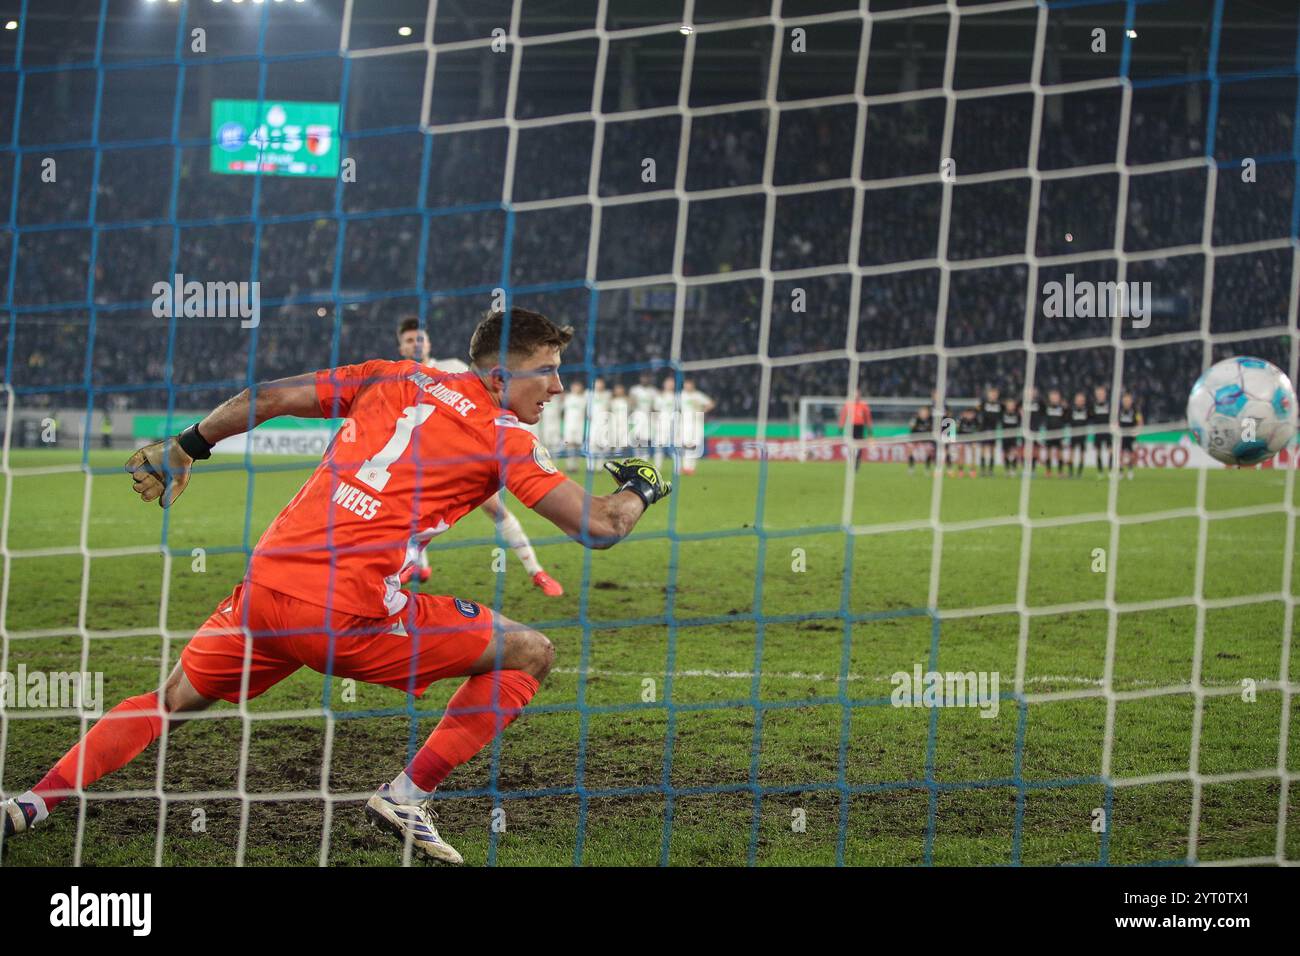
(468, 725)
(116, 739)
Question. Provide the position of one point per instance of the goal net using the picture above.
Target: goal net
(784, 202)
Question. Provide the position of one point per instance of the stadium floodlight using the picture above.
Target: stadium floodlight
(402, 31)
(11, 25)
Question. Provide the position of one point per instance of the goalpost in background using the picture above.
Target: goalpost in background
(820, 431)
(781, 203)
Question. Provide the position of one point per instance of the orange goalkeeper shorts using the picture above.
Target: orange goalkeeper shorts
(270, 635)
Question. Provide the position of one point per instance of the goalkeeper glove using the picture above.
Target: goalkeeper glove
(638, 475)
(162, 470)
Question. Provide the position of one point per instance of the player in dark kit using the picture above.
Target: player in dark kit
(1099, 419)
(1033, 448)
(1011, 441)
(990, 414)
(1054, 413)
(1130, 419)
(949, 449)
(968, 425)
(1078, 434)
(923, 449)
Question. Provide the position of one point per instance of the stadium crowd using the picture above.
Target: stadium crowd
(424, 220)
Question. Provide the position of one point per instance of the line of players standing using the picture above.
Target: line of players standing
(1058, 434)
(602, 422)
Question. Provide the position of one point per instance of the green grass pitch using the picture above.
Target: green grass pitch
(721, 567)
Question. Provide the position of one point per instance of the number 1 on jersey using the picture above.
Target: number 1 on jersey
(374, 471)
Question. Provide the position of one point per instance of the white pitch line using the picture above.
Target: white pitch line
(818, 676)
(821, 677)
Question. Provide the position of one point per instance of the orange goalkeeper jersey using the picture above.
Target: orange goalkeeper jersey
(419, 449)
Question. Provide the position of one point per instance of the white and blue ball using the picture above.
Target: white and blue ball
(1242, 411)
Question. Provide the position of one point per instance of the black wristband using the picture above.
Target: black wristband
(642, 489)
(194, 444)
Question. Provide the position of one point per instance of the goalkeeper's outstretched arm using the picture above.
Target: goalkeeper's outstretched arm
(294, 396)
(162, 470)
(601, 521)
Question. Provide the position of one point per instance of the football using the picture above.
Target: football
(1242, 411)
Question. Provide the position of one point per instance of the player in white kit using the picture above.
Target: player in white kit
(695, 405)
(598, 440)
(665, 418)
(574, 406)
(413, 343)
(642, 398)
(550, 428)
(619, 410)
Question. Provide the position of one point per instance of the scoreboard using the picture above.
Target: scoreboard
(275, 137)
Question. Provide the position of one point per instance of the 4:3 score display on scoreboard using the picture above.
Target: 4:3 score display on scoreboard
(275, 137)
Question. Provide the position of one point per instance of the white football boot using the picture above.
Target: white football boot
(413, 821)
